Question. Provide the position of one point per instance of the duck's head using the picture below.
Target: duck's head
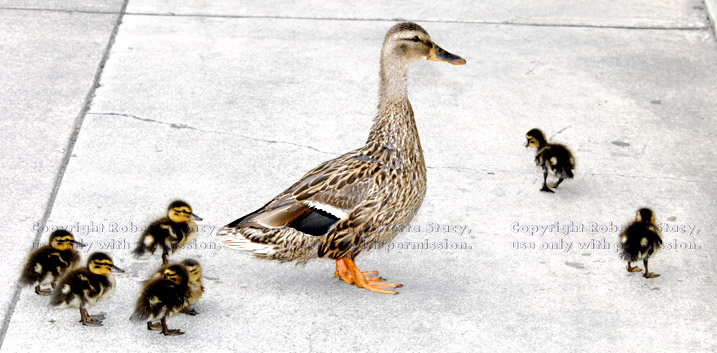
(63, 240)
(175, 274)
(181, 212)
(194, 270)
(407, 42)
(100, 263)
(645, 215)
(535, 138)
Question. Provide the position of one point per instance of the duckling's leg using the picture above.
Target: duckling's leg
(371, 283)
(189, 311)
(555, 184)
(648, 274)
(631, 268)
(545, 179)
(42, 291)
(165, 261)
(90, 320)
(168, 332)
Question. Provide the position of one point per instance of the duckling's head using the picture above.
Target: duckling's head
(176, 274)
(180, 212)
(194, 270)
(645, 215)
(62, 240)
(407, 42)
(100, 263)
(535, 138)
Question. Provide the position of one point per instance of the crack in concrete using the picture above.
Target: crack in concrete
(79, 120)
(189, 127)
(510, 22)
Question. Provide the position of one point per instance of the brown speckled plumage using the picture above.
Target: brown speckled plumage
(361, 198)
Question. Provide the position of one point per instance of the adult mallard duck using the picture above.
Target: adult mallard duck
(362, 198)
(640, 240)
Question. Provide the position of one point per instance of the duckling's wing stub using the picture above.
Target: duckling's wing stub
(560, 160)
(638, 240)
(159, 299)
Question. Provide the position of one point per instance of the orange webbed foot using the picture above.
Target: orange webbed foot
(369, 280)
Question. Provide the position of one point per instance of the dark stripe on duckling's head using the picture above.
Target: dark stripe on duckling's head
(535, 138)
(645, 215)
(180, 212)
(101, 264)
(61, 239)
(194, 270)
(176, 274)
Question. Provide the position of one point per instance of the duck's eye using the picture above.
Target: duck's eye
(415, 39)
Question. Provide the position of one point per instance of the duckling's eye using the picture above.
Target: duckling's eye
(415, 39)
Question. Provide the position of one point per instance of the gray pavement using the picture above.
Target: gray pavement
(225, 105)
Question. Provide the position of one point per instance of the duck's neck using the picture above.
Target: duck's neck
(394, 136)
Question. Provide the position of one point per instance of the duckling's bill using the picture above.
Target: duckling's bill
(438, 54)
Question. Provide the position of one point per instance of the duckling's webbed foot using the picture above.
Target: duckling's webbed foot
(546, 188)
(168, 332)
(555, 184)
(649, 274)
(40, 291)
(154, 326)
(189, 311)
(90, 320)
(631, 268)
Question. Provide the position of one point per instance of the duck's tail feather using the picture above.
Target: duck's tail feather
(283, 244)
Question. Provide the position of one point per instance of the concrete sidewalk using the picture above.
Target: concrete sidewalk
(112, 109)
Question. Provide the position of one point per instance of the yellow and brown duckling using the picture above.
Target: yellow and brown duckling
(47, 264)
(554, 159)
(195, 287)
(361, 198)
(163, 297)
(83, 287)
(640, 240)
(169, 233)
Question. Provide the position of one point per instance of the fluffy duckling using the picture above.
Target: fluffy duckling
(553, 158)
(195, 285)
(196, 288)
(47, 264)
(640, 240)
(82, 287)
(171, 232)
(163, 297)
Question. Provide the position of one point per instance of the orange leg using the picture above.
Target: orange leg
(343, 271)
(347, 270)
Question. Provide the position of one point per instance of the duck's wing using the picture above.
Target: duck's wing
(308, 209)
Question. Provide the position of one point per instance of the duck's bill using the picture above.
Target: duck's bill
(196, 218)
(79, 243)
(438, 54)
(117, 269)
